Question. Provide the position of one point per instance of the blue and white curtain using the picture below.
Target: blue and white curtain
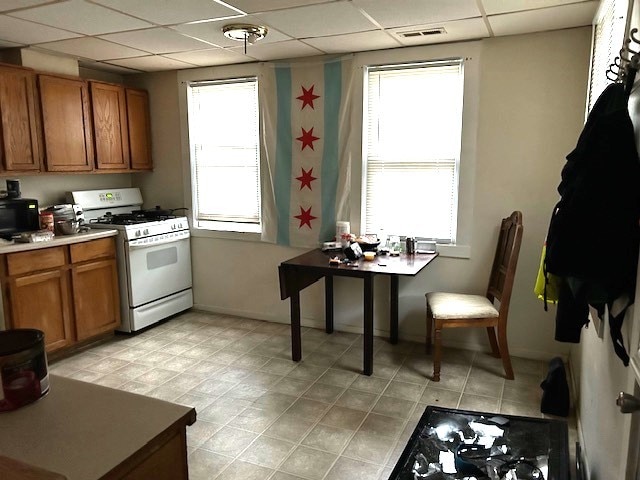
(305, 110)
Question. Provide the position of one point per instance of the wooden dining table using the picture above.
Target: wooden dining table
(299, 272)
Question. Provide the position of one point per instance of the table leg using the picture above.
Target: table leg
(328, 303)
(393, 310)
(368, 325)
(296, 342)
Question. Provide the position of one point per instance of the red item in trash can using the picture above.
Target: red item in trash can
(24, 376)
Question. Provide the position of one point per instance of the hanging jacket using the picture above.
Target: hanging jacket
(592, 243)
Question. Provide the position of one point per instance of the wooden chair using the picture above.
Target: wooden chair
(454, 310)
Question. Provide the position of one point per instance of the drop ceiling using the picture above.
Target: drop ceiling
(130, 36)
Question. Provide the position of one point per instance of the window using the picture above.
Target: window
(225, 154)
(412, 138)
(608, 35)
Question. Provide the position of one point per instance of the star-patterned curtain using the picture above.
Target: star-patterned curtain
(305, 112)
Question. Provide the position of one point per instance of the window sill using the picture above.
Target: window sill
(454, 251)
(225, 234)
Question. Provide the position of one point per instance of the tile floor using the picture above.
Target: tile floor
(262, 416)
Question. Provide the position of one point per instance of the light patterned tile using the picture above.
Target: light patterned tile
(479, 404)
(240, 470)
(204, 464)
(323, 393)
(403, 390)
(229, 441)
(267, 451)
(368, 447)
(440, 397)
(357, 400)
(342, 417)
(289, 427)
(309, 463)
(327, 438)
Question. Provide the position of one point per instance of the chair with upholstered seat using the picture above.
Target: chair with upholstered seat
(455, 310)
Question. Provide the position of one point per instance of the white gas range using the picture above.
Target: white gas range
(153, 252)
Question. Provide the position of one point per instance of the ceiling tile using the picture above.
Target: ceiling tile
(415, 12)
(107, 67)
(469, 29)
(318, 20)
(7, 5)
(171, 12)
(214, 56)
(151, 63)
(212, 32)
(157, 40)
(353, 42)
(92, 48)
(28, 33)
(280, 50)
(492, 7)
(252, 6)
(574, 15)
(79, 16)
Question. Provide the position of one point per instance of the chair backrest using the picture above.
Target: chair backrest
(505, 261)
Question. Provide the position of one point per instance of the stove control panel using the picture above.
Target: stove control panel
(155, 229)
(159, 239)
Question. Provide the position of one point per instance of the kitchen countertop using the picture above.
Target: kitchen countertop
(84, 431)
(57, 241)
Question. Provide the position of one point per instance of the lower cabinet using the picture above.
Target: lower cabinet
(41, 300)
(69, 292)
(96, 304)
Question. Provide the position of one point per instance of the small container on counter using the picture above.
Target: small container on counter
(410, 245)
(46, 221)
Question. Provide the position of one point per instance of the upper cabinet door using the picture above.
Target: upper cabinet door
(19, 134)
(66, 124)
(139, 129)
(109, 115)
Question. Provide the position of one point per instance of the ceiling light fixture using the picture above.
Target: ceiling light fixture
(245, 32)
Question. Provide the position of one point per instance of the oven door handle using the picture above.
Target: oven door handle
(138, 244)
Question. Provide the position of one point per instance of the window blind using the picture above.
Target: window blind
(412, 149)
(225, 153)
(608, 38)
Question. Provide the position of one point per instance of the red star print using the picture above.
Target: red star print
(305, 217)
(306, 178)
(307, 97)
(307, 138)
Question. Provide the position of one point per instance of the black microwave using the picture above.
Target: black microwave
(18, 215)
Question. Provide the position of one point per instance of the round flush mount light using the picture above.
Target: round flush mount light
(245, 32)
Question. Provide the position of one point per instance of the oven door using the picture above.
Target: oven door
(158, 268)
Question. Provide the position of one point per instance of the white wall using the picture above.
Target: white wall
(531, 106)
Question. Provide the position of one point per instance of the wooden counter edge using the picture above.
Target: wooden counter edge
(145, 455)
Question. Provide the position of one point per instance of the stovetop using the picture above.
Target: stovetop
(130, 218)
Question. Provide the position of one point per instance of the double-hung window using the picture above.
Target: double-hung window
(411, 149)
(225, 154)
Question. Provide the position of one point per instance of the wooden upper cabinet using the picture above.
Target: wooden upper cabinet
(139, 129)
(110, 132)
(19, 133)
(66, 124)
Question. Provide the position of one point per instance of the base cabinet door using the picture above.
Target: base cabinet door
(41, 301)
(96, 300)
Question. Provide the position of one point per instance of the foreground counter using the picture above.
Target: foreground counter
(83, 431)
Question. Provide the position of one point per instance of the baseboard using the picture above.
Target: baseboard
(576, 405)
(315, 323)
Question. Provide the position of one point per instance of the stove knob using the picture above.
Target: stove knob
(138, 233)
(180, 225)
(146, 231)
(173, 226)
